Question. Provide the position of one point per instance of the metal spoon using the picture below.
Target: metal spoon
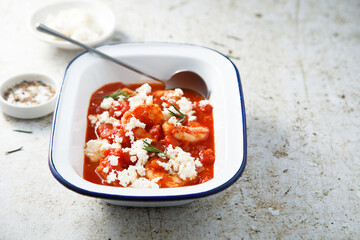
(180, 79)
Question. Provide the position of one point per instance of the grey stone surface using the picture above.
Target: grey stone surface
(299, 65)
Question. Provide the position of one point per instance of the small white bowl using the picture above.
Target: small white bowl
(33, 111)
(100, 12)
(87, 72)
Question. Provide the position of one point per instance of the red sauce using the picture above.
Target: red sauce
(202, 149)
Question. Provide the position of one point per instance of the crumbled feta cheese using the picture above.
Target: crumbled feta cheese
(167, 113)
(105, 170)
(186, 106)
(141, 170)
(117, 113)
(115, 145)
(137, 150)
(118, 139)
(127, 176)
(114, 160)
(75, 23)
(178, 92)
(141, 97)
(136, 101)
(93, 119)
(149, 100)
(191, 118)
(105, 118)
(94, 149)
(174, 121)
(171, 95)
(145, 183)
(133, 123)
(203, 103)
(111, 176)
(106, 103)
(144, 89)
(117, 103)
(180, 162)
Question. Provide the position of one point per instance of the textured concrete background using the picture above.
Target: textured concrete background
(299, 65)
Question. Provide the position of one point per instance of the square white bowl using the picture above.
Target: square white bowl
(87, 72)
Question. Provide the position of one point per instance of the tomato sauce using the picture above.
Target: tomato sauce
(192, 134)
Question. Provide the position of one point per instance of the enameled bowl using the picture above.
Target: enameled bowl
(87, 72)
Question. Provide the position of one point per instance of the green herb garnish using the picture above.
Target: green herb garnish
(151, 148)
(22, 131)
(117, 94)
(179, 114)
(12, 151)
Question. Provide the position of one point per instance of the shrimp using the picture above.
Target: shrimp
(186, 133)
(150, 114)
(153, 171)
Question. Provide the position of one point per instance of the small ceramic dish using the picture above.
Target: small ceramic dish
(87, 73)
(101, 16)
(32, 110)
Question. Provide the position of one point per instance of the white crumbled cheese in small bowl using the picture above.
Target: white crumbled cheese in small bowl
(75, 23)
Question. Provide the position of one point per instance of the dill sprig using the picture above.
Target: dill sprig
(12, 151)
(151, 148)
(117, 94)
(179, 114)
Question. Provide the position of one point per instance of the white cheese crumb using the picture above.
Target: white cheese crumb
(106, 103)
(127, 176)
(118, 139)
(133, 123)
(167, 113)
(174, 121)
(114, 160)
(105, 169)
(115, 145)
(203, 103)
(111, 176)
(186, 107)
(93, 119)
(145, 183)
(105, 118)
(137, 150)
(143, 89)
(180, 162)
(117, 113)
(141, 97)
(94, 149)
(178, 92)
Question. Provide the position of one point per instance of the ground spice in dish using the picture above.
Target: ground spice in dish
(29, 93)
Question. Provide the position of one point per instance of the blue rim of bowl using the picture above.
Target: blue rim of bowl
(218, 189)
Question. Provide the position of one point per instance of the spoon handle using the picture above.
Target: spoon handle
(42, 28)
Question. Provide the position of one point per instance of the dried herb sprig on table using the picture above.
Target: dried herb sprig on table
(22, 131)
(15, 150)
